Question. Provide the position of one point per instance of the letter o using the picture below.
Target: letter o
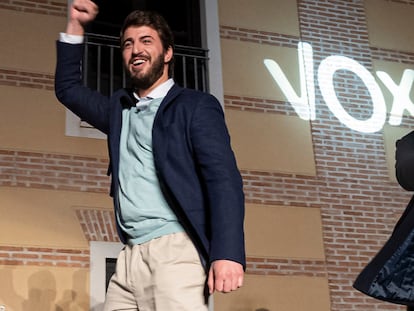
(326, 72)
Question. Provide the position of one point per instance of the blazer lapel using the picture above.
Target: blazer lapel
(126, 100)
(161, 125)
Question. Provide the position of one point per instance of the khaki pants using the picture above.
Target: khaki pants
(164, 274)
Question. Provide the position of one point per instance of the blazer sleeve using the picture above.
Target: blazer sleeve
(404, 161)
(89, 105)
(221, 179)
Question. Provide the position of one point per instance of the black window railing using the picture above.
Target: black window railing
(103, 69)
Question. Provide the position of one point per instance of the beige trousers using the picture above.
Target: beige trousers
(164, 274)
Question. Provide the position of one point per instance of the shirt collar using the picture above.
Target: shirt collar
(160, 91)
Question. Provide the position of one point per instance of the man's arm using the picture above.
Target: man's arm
(87, 104)
(224, 189)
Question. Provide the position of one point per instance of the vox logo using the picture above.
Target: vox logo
(304, 103)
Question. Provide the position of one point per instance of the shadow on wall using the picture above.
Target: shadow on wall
(76, 299)
(42, 293)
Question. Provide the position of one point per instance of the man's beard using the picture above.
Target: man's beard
(143, 81)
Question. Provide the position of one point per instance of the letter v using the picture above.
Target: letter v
(304, 105)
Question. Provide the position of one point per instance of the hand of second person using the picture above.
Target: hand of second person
(225, 276)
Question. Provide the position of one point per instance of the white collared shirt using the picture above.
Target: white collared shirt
(160, 91)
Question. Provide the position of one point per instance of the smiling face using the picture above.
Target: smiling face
(144, 58)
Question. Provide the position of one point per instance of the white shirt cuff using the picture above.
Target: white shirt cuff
(72, 39)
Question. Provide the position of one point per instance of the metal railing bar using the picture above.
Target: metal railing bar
(111, 70)
(98, 70)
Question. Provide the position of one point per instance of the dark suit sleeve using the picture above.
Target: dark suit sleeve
(221, 179)
(87, 104)
(404, 165)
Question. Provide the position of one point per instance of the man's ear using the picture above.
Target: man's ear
(168, 55)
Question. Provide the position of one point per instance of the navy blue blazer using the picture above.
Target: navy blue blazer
(194, 161)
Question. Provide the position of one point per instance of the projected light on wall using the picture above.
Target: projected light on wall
(304, 104)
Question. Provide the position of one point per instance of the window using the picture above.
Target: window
(101, 253)
(183, 16)
(195, 26)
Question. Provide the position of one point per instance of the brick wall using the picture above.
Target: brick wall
(35, 256)
(53, 171)
(359, 205)
(97, 225)
(38, 170)
(47, 7)
(20, 78)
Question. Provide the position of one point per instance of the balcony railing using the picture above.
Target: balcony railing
(103, 69)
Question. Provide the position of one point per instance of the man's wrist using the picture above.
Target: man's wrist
(70, 38)
(74, 27)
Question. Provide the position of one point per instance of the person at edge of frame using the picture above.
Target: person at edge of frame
(177, 191)
(404, 168)
(388, 276)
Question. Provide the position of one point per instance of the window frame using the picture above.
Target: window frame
(99, 252)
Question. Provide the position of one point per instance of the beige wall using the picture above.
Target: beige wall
(277, 293)
(261, 15)
(390, 24)
(246, 74)
(270, 142)
(31, 43)
(387, 35)
(44, 218)
(37, 122)
(284, 232)
(40, 220)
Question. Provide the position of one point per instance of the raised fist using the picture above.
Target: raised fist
(81, 13)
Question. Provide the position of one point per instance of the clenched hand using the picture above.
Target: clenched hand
(225, 276)
(81, 13)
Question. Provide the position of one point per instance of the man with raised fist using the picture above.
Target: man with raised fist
(177, 191)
